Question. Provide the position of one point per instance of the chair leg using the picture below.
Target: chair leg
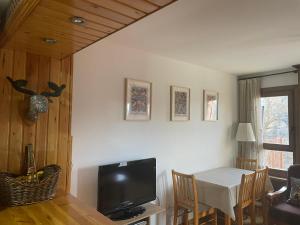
(270, 221)
(239, 216)
(215, 216)
(253, 214)
(175, 215)
(196, 218)
(265, 212)
(186, 217)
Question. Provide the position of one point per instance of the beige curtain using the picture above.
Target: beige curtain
(250, 112)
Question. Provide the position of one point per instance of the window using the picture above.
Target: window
(277, 125)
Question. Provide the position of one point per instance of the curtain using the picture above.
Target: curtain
(250, 112)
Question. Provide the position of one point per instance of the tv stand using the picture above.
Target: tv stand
(150, 210)
(127, 213)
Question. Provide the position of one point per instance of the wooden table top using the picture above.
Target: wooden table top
(64, 209)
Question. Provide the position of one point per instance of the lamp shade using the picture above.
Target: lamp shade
(245, 132)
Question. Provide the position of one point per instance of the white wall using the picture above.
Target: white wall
(102, 136)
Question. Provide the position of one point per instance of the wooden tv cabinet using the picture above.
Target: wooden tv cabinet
(151, 209)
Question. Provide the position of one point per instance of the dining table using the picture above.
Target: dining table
(219, 188)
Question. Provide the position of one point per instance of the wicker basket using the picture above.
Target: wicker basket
(16, 190)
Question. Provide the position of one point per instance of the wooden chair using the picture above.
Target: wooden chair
(186, 199)
(260, 193)
(246, 164)
(246, 198)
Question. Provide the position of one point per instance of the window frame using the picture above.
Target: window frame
(289, 91)
(283, 91)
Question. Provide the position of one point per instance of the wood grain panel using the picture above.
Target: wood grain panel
(38, 19)
(32, 70)
(64, 120)
(20, 14)
(119, 8)
(53, 115)
(30, 38)
(62, 210)
(42, 122)
(38, 32)
(144, 6)
(39, 48)
(71, 11)
(87, 8)
(16, 123)
(6, 68)
(51, 134)
(160, 2)
(58, 24)
(46, 15)
(45, 51)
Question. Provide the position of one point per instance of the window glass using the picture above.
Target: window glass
(275, 120)
(277, 159)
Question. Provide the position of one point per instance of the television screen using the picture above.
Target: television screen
(126, 185)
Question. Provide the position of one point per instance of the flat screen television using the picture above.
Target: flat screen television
(124, 186)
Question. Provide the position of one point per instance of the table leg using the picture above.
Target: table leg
(227, 220)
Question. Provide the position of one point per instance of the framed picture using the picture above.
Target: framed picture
(211, 104)
(180, 103)
(137, 100)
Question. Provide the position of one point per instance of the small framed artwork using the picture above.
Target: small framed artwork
(180, 103)
(137, 99)
(210, 105)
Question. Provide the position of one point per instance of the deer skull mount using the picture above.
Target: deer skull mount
(38, 103)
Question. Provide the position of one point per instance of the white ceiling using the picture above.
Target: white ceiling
(234, 36)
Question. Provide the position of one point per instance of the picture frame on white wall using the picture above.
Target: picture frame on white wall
(138, 97)
(180, 103)
(210, 105)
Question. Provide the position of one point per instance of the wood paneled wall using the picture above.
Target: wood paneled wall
(51, 134)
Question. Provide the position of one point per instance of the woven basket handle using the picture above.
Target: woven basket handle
(30, 164)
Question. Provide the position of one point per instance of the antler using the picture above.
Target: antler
(20, 85)
(57, 90)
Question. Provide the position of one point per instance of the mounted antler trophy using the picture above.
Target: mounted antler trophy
(38, 103)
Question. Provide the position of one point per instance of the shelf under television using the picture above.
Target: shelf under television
(151, 209)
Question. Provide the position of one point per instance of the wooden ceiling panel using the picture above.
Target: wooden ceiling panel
(119, 8)
(52, 19)
(36, 40)
(42, 32)
(93, 9)
(64, 27)
(69, 7)
(45, 15)
(143, 6)
(160, 2)
(37, 49)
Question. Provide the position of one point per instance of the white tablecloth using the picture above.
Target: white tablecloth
(219, 188)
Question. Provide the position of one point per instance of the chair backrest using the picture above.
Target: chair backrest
(260, 183)
(246, 192)
(185, 190)
(293, 171)
(247, 164)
